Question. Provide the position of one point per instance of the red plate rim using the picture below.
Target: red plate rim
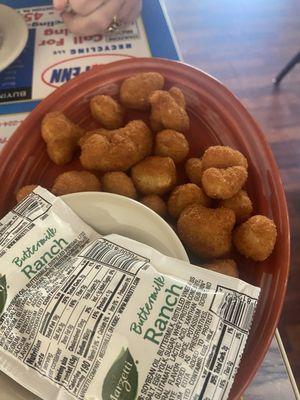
(235, 109)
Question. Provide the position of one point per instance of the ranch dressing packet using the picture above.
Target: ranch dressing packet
(108, 318)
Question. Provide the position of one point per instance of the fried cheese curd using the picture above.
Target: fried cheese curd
(135, 91)
(178, 96)
(223, 183)
(194, 170)
(170, 143)
(226, 267)
(256, 237)
(225, 172)
(107, 111)
(101, 131)
(206, 231)
(168, 111)
(75, 181)
(223, 157)
(154, 175)
(156, 204)
(61, 137)
(24, 191)
(184, 195)
(117, 150)
(241, 204)
(119, 183)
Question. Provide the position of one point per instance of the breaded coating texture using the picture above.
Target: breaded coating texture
(170, 143)
(100, 131)
(256, 237)
(107, 111)
(154, 175)
(166, 113)
(156, 204)
(178, 96)
(135, 91)
(119, 150)
(61, 137)
(75, 181)
(221, 183)
(194, 170)
(223, 157)
(24, 192)
(119, 183)
(206, 231)
(226, 267)
(184, 195)
(240, 203)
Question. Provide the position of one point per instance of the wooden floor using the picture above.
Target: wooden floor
(245, 43)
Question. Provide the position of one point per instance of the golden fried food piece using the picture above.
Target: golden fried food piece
(135, 91)
(220, 183)
(156, 204)
(223, 157)
(240, 203)
(119, 183)
(184, 195)
(178, 96)
(169, 143)
(88, 134)
(167, 113)
(24, 192)
(154, 175)
(206, 231)
(118, 150)
(75, 181)
(194, 170)
(61, 137)
(256, 237)
(107, 111)
(226, 267)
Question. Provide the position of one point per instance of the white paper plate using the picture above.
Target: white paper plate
(13, 35)
(109, 213)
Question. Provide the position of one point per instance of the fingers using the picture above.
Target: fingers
(95, 16)
(85, 7)
(96, 22)
(135, 12)
(59, 5)
(129, 11)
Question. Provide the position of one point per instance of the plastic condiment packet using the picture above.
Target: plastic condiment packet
(91, 317)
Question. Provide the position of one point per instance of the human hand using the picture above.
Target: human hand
(89, 17)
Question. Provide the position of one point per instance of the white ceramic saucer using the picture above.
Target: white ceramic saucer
(109, 213)
(13, 35)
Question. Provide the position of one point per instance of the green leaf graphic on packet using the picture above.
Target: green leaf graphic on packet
(121, 381)
(3, 293)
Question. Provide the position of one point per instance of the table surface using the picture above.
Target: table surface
(272, 380)
(245, 44)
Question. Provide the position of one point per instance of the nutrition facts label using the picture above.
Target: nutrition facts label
(73, 318)
(199, 355)
(21, 220)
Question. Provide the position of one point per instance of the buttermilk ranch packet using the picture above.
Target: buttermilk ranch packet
(107, 318)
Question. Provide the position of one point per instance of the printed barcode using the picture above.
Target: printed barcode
(32, 206)
(237, 310)
(113, 255)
